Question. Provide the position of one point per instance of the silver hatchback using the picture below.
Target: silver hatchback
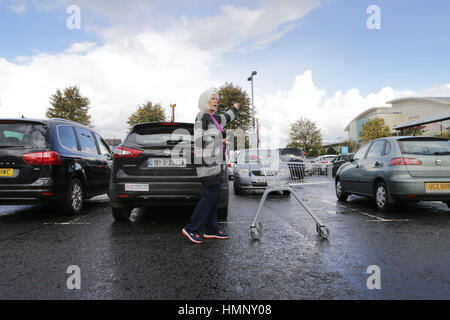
(398, 169)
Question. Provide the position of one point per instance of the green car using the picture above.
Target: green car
(398, 169)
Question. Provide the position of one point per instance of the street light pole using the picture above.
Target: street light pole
(254, 73)
(173, 111)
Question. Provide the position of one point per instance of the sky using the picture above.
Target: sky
(317, 59)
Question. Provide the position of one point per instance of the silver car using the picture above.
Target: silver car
(398, 169)
(249, 175)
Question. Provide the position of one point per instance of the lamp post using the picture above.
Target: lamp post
(253, 105)
(257, 133)
(173, 111)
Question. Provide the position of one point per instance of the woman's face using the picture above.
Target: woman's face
(213, 102)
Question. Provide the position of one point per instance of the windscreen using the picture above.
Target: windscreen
(160, 136)
(23, 135)
(425, 147)
(288, 154)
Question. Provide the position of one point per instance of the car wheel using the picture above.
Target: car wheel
(73, 201)
(222, 213)
(121, 214)
(340, 193)
(382, 197)
(237, 190)
(287, 193)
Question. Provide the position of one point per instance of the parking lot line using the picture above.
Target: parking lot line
(67, 222)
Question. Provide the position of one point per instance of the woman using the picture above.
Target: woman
(210, 142)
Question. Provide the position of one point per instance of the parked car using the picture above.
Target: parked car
(295, 160)
(249, 175)
(340, 160)
(155, 166)
(398, 169)
(231, 163)
(52, 161)
(322, 163)
(309, 166)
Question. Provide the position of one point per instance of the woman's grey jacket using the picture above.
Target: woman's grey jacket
(209, 157)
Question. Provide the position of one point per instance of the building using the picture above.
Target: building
(401, 111)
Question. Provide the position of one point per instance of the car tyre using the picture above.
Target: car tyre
(121, 214)
(73, 200)
(237, 190)
(383, 198)
(340, 192)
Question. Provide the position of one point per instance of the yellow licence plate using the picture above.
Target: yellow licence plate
(437, 187)
(6, 172)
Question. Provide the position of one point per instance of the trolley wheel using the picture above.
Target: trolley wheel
(256, 232)
(323, 231)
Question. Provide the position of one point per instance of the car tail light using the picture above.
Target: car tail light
(324, 162)
(42, 158)
(405, 161)
(123, 152)
(229, 165)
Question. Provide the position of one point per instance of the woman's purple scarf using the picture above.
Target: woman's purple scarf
(218, 127)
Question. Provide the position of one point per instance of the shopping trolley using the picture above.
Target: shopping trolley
(282, 176)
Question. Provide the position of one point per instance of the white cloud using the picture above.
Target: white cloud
(80, 47)
(331, 114)
(255, 28)
(138, 62)
(117, 77)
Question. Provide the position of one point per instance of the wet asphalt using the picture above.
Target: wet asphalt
(149, 258)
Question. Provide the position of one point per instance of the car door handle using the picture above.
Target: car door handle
(377, 164)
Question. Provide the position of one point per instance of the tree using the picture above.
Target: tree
(148, 112)
(414, 131)
(305, 134)
(70, 105)
(352, 145)
(331, 150)
(229, 94)
(374, 129)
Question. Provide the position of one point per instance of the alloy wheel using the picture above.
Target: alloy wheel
(381, 197)
(76, 197)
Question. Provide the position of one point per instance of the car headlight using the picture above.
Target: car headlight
(243, 172)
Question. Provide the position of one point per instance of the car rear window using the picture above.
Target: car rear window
(26, 135)
(160, 135)
(425, 146)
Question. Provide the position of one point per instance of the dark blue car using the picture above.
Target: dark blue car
(52, 161)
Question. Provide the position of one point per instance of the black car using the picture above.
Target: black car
(340, 160)
(52, 161)
(155, 166)
(295, 160)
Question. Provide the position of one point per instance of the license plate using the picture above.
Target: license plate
(260, 180)
(166, 163)
(136, 187)
(6, 172)
(437, 187)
